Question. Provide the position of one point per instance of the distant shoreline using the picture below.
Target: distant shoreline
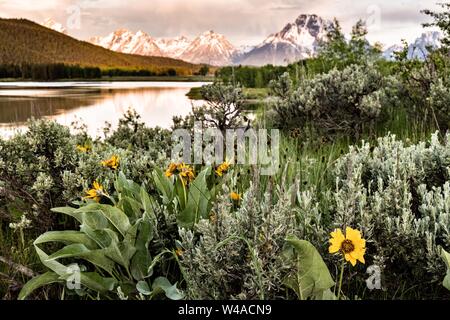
(128, 79)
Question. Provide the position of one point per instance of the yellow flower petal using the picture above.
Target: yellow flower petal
(337, 235)
(336, 241)
(352, 233)
(349, 258)
(334, 248)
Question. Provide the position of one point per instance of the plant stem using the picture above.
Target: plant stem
(340, 279)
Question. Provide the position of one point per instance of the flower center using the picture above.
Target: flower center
(347, 246)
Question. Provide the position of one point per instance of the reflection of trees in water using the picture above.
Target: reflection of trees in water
(18, 110)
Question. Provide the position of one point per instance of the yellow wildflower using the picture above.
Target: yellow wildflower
(84, 148)
(179, 252)
(186, 172)
(171, 170)
(112, 163)
(222, 169)
(96, 192)
(352, 245)
(235, 196)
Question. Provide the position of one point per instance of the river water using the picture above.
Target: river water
(92, 103)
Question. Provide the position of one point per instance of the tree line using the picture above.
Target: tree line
(49, 71)
(57, 71)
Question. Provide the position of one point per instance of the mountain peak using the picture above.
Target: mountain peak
(305, 16)
(297, 40)
(212, 34)
(125, 41)
(210, 47)
(121, 31)
(56, 26)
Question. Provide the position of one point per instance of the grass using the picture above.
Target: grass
(17, 250)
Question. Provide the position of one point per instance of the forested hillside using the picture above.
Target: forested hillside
(25, 42)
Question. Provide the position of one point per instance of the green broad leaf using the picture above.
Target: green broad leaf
(120, 182)
(100, 216)
(142, 259)
(72, 212)
(446, 257)
(134, 190)
(91, 280)
(163, 185)
(96, 257)
(95, 220)
(311, 278)
(120, 252)
(198, 202)
(90, 207)
(171, 291)
(69, 251)
(116, 217)
(53, 265)
(66, 237)
(95, 282)
(147, 202)
(181, 192)
(101, 237)
(326, 295)
(127, 187)
(131, 234)
(144, 288)
(37, 282)
(130, 207)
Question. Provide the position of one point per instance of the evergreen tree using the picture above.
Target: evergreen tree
(442, 21)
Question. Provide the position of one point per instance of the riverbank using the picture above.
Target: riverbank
(253, 94)
(130, 79)
(254, 97)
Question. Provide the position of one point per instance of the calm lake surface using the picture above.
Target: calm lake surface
(92, 103)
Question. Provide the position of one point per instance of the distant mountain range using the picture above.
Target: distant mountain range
(297, 40)
(419, 49)
(209, 48)
(25, 42)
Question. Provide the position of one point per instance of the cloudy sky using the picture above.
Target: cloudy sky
(242, 21)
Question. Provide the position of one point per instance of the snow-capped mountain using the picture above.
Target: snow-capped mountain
(210, 47)
(126, 41)
(173, 47)
(241, 51)
(52, 24)
(389, 53)
(418, 49)
(297, 40)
